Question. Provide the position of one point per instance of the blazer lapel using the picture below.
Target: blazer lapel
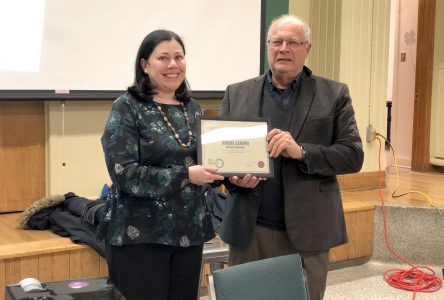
(255, 96)
(303, 103)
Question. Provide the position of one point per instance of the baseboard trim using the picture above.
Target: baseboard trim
(361, 181)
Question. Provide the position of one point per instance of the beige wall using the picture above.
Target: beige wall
(404, 80)
(364, 66)
(74, 154)
(360, 59)
(75, 161)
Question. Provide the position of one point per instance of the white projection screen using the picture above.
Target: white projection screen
(84, 45)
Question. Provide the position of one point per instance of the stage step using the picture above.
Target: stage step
(415, 233)
(359, 219)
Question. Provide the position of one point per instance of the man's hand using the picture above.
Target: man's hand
(282, 143)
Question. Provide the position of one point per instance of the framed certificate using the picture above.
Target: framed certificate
(235, 146)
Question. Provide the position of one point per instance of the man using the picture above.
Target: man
(314, 138)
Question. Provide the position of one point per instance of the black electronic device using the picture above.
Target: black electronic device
(85, 289)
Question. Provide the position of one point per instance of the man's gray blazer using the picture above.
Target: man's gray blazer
(323, 122)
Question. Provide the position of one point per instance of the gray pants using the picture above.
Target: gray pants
(268, 243)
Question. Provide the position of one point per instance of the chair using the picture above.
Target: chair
(277, 278)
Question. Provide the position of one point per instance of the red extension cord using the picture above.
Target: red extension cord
(414, 279)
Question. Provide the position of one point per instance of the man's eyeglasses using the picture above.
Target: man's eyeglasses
(276, 43)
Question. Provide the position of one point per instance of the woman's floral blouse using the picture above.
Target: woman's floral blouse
(151, 199)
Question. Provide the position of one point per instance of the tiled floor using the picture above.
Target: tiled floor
(203, 294)
(366, 282)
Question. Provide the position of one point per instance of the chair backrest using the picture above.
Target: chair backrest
(277, 278)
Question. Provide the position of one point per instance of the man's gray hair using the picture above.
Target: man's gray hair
(290, 19)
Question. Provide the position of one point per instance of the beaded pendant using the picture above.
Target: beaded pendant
(175, 134)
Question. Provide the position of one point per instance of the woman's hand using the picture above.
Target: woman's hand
(200, 175)
(247, 181)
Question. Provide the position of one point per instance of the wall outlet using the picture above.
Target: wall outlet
(403, 56)
(370, 133)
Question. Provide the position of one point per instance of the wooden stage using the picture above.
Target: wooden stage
(43, 255)
(49, 257)
(431, 183)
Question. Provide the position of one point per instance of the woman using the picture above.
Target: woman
(156, 220)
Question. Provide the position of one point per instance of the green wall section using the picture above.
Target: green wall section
(273, 9)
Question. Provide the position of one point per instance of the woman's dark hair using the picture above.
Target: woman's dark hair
(142, 88)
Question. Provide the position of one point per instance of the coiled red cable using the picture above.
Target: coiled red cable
(415, 279)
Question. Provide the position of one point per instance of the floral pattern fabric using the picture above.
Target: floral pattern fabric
(151, 199)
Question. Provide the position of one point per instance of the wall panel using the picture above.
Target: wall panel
(350, 44)
(22, 154)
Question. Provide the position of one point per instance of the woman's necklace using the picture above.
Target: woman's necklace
(176, 135)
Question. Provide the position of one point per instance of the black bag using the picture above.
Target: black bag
(215, 199)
